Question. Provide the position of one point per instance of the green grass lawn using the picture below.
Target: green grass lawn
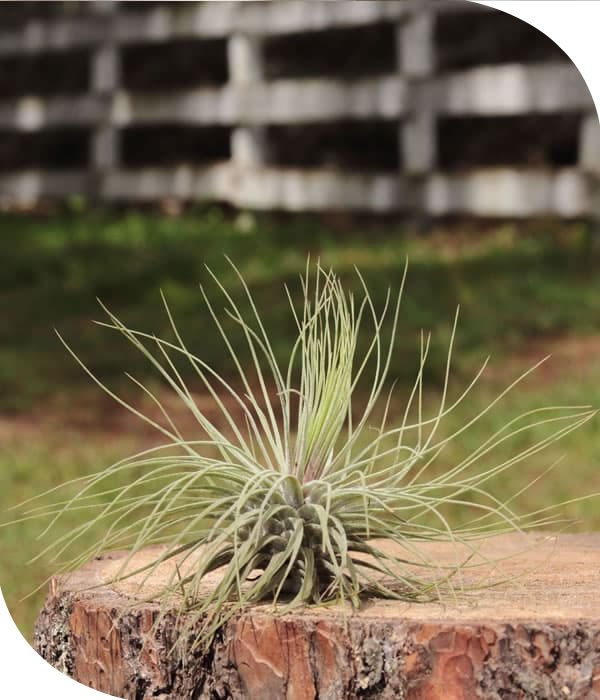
(521, 293)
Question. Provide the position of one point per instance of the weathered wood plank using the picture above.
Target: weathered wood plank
(263, 188)
(507, 89)
(202, 20)
(504, 192)
(37, 113)
(28, 187)
(277, 102)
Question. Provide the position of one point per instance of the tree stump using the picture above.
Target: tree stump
(537, 636)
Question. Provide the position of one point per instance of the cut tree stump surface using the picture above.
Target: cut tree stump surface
(535, 635)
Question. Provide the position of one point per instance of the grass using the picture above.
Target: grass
(512, 286)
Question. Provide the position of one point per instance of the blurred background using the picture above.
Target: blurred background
(140, 141)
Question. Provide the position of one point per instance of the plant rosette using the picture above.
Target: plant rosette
(289, 503)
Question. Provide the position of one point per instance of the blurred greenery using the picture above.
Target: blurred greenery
(511, 284)
(518, 287)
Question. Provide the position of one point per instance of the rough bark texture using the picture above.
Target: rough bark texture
(537, 637)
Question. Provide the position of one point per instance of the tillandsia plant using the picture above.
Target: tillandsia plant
(291, 501)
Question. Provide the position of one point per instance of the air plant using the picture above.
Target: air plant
(290, 502)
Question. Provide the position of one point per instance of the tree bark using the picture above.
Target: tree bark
(536, 636)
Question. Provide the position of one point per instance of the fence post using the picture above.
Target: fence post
(105, 80)
(589, 162)
(245, 60)
(416, 65)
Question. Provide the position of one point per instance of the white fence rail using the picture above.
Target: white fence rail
(414, 96)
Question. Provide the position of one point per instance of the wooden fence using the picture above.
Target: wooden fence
(260, 98)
